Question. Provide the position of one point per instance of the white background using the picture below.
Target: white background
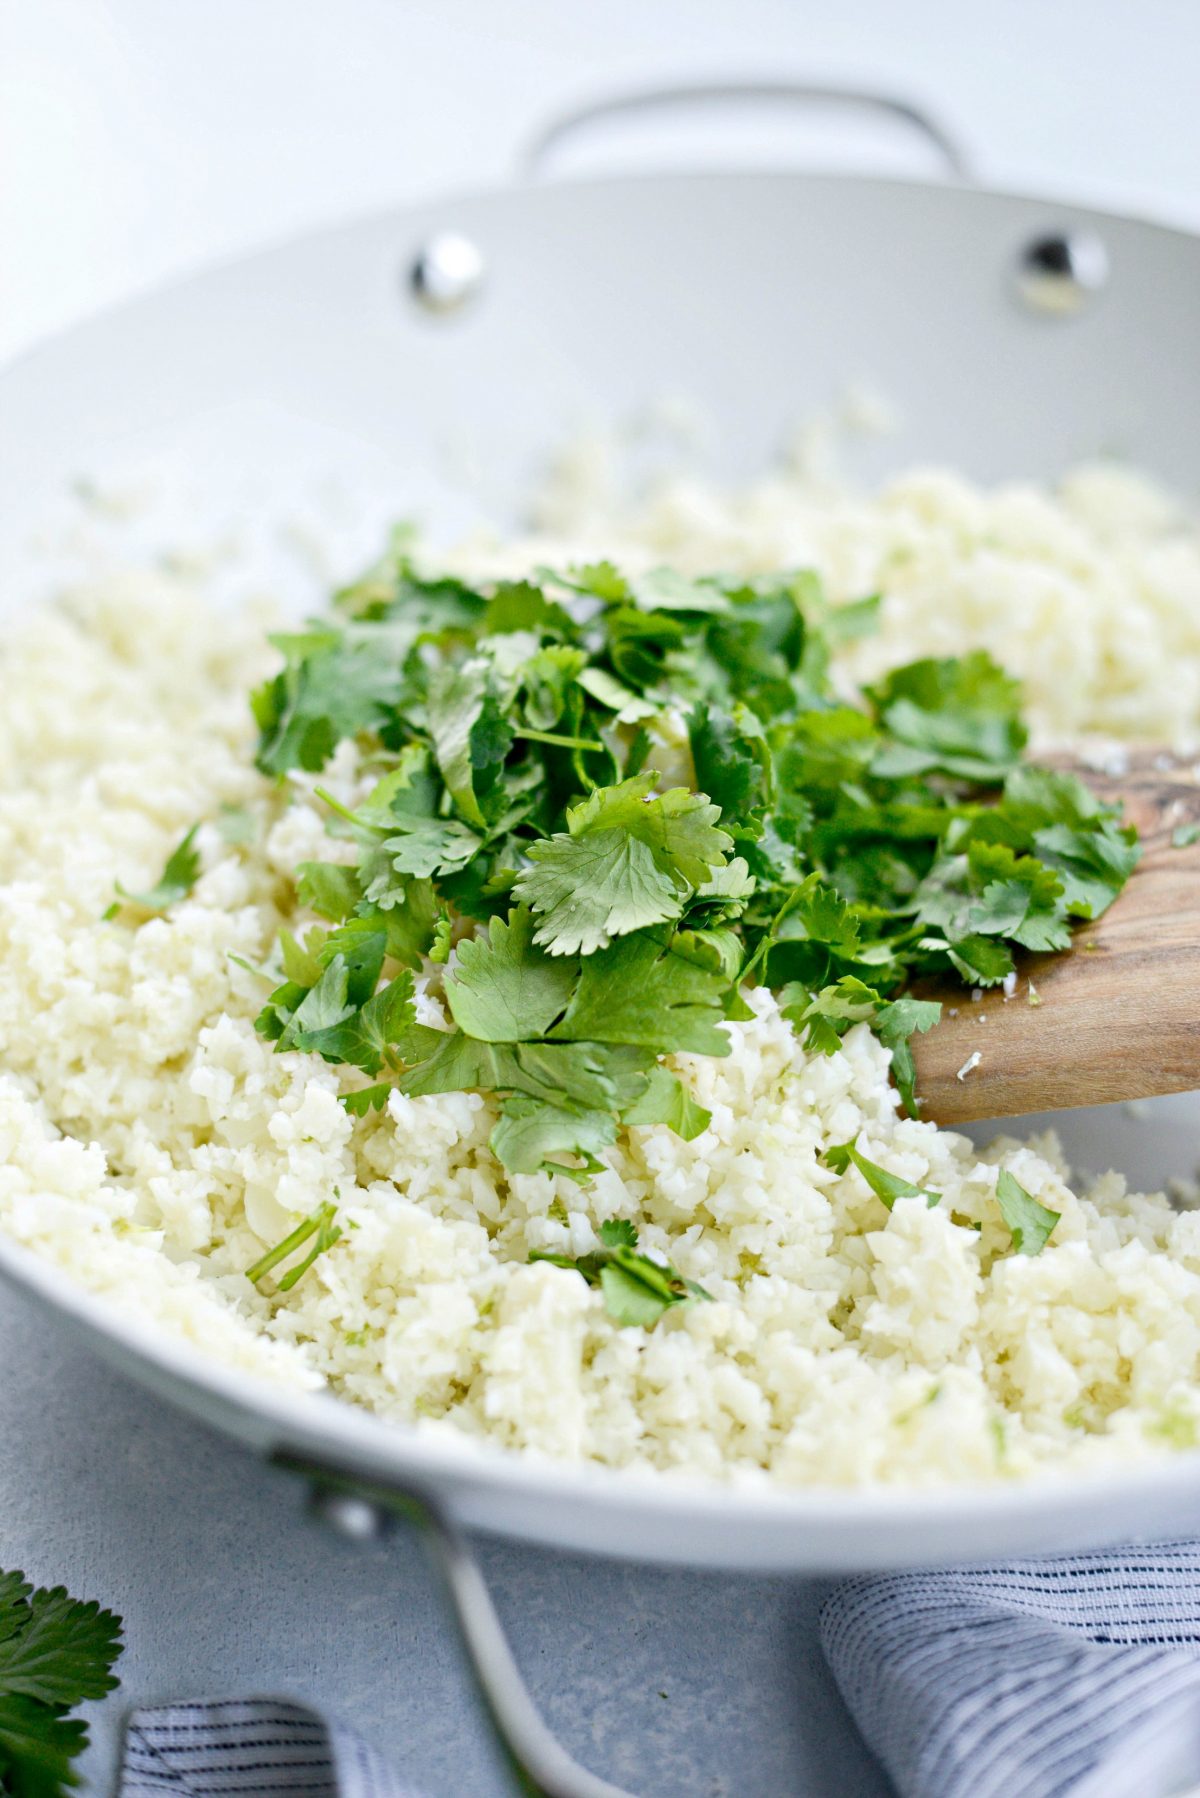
(139, 138)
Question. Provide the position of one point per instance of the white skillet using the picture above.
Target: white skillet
(405, 351)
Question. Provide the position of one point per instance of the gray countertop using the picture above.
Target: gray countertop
(668, 1682)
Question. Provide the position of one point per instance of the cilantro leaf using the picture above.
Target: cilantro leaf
(679, 826)
(853, 619)
(520, 606)
(639, 990)
(817, 913)
(1094, 864)
(424, 846)
(37, 1746)
(583, 1076)
(14, 1590)
(625, 862)
(531, 1135)
(64, 1652)
(588, 890)
(666, 590)
(55, 1652)
(980, 960)
(733, 765)
(667, 1100)
(176, 881)
(334, 683)
(828, 1014)
(366, 1038)
(328, 888)
(886, 1187)
(658, 590)
(366, 1099)
(637, 1289)
(613, 694)
(236, 825)
(506, 990)
(323, 1007)
(630, 1298)
(471, 738)
(896, 1024)
(958, 717)
(1030, 1224)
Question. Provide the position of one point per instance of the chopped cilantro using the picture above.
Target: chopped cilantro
(176, 881)
(439, 948)
(55, 1653)
(1184, 835)
(365, 1099)
(1029, 1224)
(667, 1100)
(885, 1186)
(591, 915)
(319, 1223)
(636, 1289)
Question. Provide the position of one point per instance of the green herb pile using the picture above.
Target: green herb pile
(54, 1654)
(604, 914)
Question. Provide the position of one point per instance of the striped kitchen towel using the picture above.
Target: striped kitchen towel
(1071, 1674)
(242, 1747)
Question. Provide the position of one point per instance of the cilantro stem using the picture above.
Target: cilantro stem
(561, 742)
(336, 805)
(327, 1234)
(319, 1223)
(767, 940)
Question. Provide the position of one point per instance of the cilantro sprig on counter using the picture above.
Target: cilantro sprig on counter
(55, 1653)
(607, 803)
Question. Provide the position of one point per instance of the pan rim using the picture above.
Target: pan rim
(443, 207)
(294, 1417)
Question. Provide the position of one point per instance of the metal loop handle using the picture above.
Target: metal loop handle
(536, 156)
(540, 1765)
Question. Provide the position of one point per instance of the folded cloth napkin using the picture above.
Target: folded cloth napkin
(249, 1746)
(1071, 1674)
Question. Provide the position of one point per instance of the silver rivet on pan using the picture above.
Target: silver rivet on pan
(445, 273)
(1058, 274)
(357, 1519)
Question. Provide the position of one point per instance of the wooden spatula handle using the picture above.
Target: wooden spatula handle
(1118, 1015)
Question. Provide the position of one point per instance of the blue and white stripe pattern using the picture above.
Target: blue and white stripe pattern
(1072, 1674)
(232, 1748)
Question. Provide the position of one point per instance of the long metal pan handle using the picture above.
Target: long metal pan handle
(359, 1509)
(540, 153)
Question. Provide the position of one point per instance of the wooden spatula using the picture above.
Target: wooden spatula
(1118, 1015)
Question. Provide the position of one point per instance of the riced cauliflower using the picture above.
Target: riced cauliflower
(153, 1146)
